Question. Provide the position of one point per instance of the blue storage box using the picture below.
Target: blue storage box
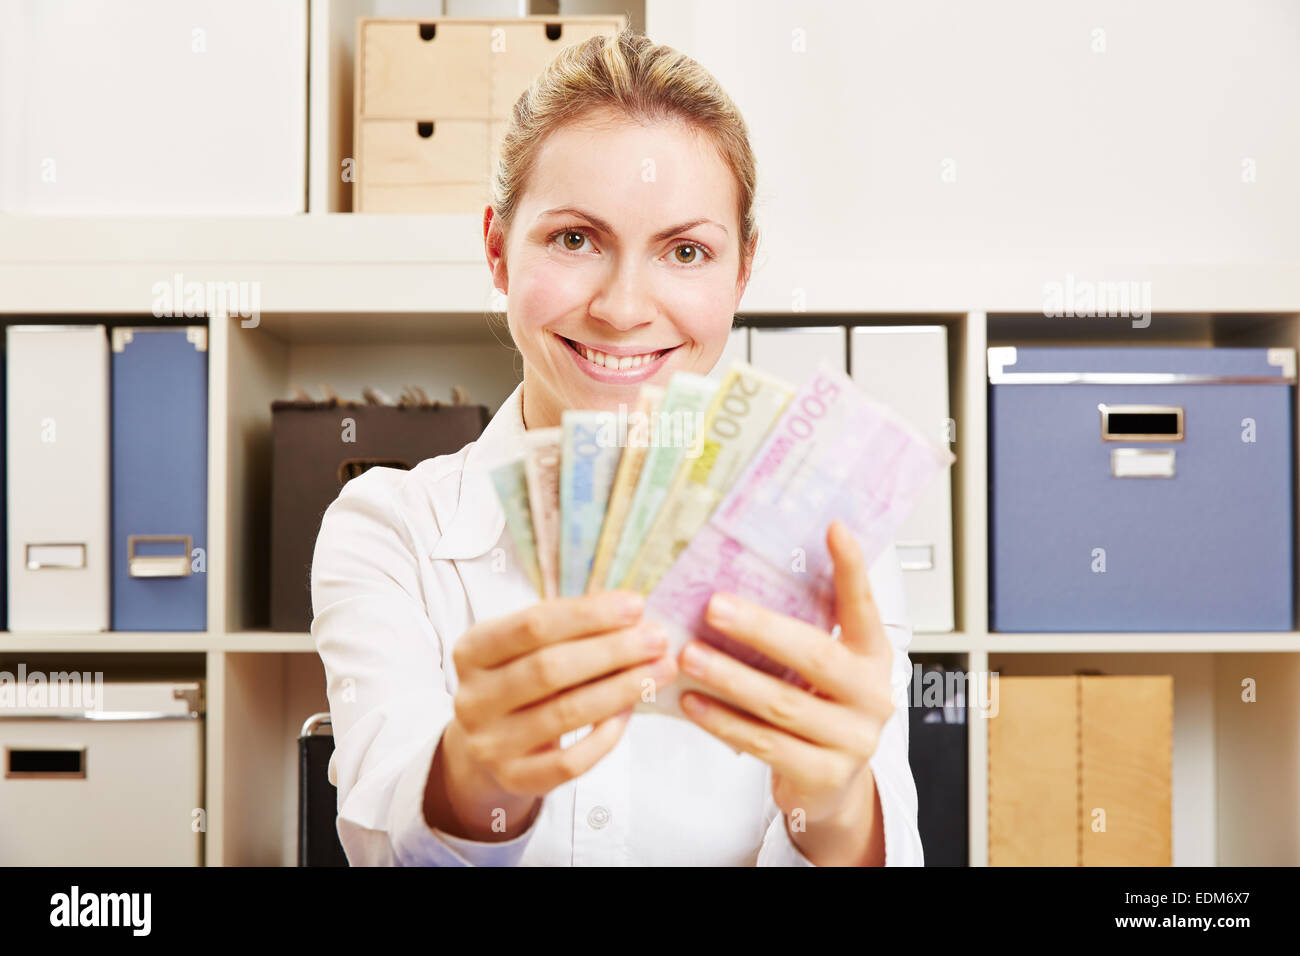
(160, 478)
(1141, 489)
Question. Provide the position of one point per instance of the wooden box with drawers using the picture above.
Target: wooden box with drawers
(433, 98)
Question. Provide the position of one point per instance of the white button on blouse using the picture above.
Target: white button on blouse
(405, 562)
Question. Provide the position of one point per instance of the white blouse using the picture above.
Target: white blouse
(405, 562)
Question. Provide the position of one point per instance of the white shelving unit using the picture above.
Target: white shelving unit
(386, 300)
(262, 684)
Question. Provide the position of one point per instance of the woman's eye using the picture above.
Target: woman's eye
(688, 253)
(573, 240)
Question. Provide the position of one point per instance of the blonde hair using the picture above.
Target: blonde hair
(643, 81)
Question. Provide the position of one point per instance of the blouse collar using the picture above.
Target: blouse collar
(479, 518)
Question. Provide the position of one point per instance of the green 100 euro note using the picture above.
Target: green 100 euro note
(680, 435)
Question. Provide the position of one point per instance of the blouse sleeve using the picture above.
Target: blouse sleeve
(388, 694)
(890, 765)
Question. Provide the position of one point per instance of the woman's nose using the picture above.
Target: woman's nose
(622, 300)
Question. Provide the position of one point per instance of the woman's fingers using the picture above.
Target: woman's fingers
(495, 642)
(558, 667)
(824, 663)
(543, 771)
(780, 703)
(531, 727)
(855, 608)
(806, 765)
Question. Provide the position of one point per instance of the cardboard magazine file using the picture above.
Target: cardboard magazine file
(316, 448)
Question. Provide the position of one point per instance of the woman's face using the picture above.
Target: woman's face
(625, 242)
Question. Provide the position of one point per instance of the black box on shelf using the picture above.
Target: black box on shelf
(937, 750)
(316, 447)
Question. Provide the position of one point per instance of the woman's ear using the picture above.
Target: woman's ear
(746, 268)
(494, 246)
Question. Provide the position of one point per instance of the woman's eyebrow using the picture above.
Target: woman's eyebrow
(603, 226)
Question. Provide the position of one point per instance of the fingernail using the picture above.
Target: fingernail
(654, 637)
(722, 608)
(844, 537)
(693, 705)
(630, 604)
(694, 660)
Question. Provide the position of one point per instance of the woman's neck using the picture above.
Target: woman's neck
(540, 410)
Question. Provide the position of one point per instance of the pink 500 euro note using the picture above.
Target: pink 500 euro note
(833, 453)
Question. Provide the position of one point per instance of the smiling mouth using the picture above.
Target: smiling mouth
(613, 361)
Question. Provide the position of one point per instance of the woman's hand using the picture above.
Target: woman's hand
(526, 679)
(816, 742)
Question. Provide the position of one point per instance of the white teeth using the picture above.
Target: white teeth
(616, 362)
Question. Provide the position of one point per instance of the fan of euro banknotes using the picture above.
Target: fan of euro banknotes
(710, 485)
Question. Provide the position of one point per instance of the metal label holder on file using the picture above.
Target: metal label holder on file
(45, 763)
(55, 557)
(915, 555)
(1142, 463)
(1142, 423)
(158, 565)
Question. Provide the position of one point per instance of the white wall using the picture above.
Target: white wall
(1132, 153)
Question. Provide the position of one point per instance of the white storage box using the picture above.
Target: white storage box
(153, 106)
(101, 774)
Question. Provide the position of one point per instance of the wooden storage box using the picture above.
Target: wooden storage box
(522, 49)
(415, 166)
(1080, 771)
(424, 69)
(433, 98)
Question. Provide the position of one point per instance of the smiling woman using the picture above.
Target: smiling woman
(622, 224)
(657, 300)
(476, 725)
